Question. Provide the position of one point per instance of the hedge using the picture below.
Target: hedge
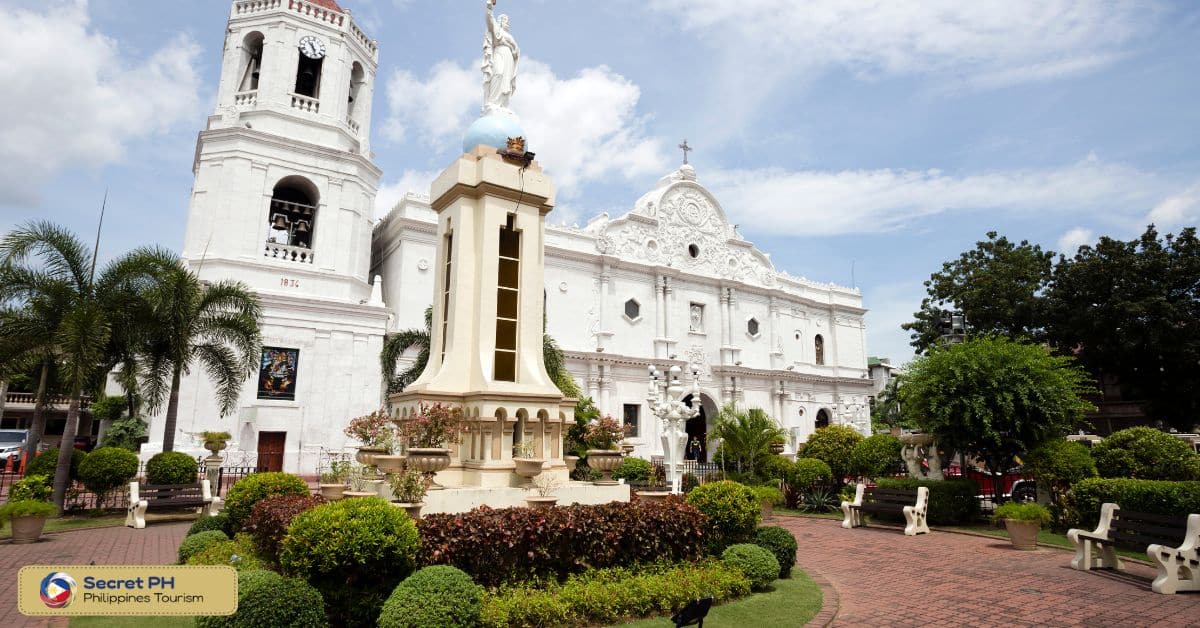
(204, 524)
(951, 502)
(171, 467)
(511, 545)
(1147, 454)
(269, 600)
(246, 492)
(781, 543)
(196, 543)
(733, 513)
(433, 597)
(634, 471)
(758, 563)
(608, 596)
(238, 553)
(108, 468)
(268, 522)
(1152, 496)
(46, 463)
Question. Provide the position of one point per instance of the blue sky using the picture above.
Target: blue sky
(883, 136)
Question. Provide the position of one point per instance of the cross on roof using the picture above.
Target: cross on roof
(686, 149)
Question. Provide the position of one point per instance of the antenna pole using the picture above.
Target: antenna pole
(96, 249)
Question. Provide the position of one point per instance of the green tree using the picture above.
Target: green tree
(995, 398)
(215, 325)
(745, 435)
(885, 413)
(29, 319)
(834, 445)
(997, 286)
(1130, 312)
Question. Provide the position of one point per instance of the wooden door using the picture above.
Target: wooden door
(270, 450)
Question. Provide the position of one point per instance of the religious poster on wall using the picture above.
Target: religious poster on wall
(277, 374)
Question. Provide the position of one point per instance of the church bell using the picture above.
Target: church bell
(302, 226)
(281, 223)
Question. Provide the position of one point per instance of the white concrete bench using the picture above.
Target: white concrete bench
(912, 503)
(1171, 541)
(168, 496)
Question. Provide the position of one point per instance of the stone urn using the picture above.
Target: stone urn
(215, 447)
(775, 448)
(605, 461)
(542, 502)
(27, 529)
(349, 494)
(429, 460)
(627, 448)
(571, 461)
(1023, 534)
(389, 463)
(332, 492)
(366, 455)
(413, 509)
(528, 468)
(653, 496)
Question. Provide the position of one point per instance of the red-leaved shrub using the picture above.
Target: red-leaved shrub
(269, 519)
(516, 544)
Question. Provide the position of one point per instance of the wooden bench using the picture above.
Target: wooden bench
(1171, 541)
(912, 503)
(168, 496)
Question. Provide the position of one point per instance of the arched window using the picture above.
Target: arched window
(308, 76)
(293, 215)
(357, 80)
(822, 417)
(819, 350)
(252, 57)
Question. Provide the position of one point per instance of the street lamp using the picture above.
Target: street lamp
(954, 327)
(667, 405)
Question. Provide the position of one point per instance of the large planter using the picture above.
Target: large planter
(349, 494)
(27, 529)
(571, 462)
(654, 496)
(215, 446)
(605, 461)
(627, 448)
(366, 455)
(389, 463)
(412, 508)
(775, 448)
(528, 468)
(429, 460)
(1023, 534)
(332, 492)
(541, 502)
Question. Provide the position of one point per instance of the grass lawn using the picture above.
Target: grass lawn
(84, 522)
(790, 602)
(132, 622)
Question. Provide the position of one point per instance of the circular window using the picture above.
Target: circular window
(694, 251)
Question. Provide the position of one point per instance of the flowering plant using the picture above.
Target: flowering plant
(372, 430)
(603, 433)
(408, 486)
(434, 426)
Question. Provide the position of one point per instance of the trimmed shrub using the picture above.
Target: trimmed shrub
(768, 495)
(204, 524)
(510, 545)
(758, 563)
(238, 553)
(354, 551)
(1145, 453)
(807, 473)
(269, 600)
(1057, 464)
(199, 542)
(834, 445)
(107, 468)
(246, 492)
(776, 468)
(607, 596)
(433, 597)
(634, 470)
(951, 502)
(875, 456)
(781, 543)
(171, 467)
(46, 463)
(733, 513)
(1152, 496)
(269, 519)
(1022, 511)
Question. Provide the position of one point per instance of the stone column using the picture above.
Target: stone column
(605, 384)
(659, 316)
(773, 331)
(602, 332)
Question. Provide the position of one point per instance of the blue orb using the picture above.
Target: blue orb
(493, 130)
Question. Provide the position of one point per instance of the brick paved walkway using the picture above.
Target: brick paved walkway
(157, 544)
(884, 578)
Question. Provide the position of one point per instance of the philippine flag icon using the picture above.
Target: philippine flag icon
(58, 589)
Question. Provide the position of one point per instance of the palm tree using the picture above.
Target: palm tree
(27, 339)
(394, 346)
(215, 325)
(745, 435)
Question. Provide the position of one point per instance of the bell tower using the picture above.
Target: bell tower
(283, 201)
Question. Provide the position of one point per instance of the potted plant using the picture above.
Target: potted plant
(529, 464)
(360, 483)
(1023, 520)
(391, 461)
(427, 434)
(544, 485)
(215, 442)
(603, 436)
(409, 489)
(374, 431)
(28, 507)
(768, 498)
(776, 446)
(333, 481)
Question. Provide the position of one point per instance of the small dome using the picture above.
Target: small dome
(493, 130)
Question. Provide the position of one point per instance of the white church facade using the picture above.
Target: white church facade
(283, 200)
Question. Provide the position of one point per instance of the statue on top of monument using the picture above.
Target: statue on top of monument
(500, 55)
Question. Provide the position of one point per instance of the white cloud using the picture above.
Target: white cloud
(583, 128)
(415, 181)
(1182, 209)
(889, 307)
(1070, 241)
(72, 97)
(865, 201)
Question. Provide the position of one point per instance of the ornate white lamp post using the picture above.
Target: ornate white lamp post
(668, 406)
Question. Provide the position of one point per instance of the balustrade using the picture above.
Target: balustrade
(353, 125)
(247, 7)
(288, 253)
(246, 99)
(304, 103)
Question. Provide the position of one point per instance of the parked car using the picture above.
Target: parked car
(12, 443)
(1018, 484)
